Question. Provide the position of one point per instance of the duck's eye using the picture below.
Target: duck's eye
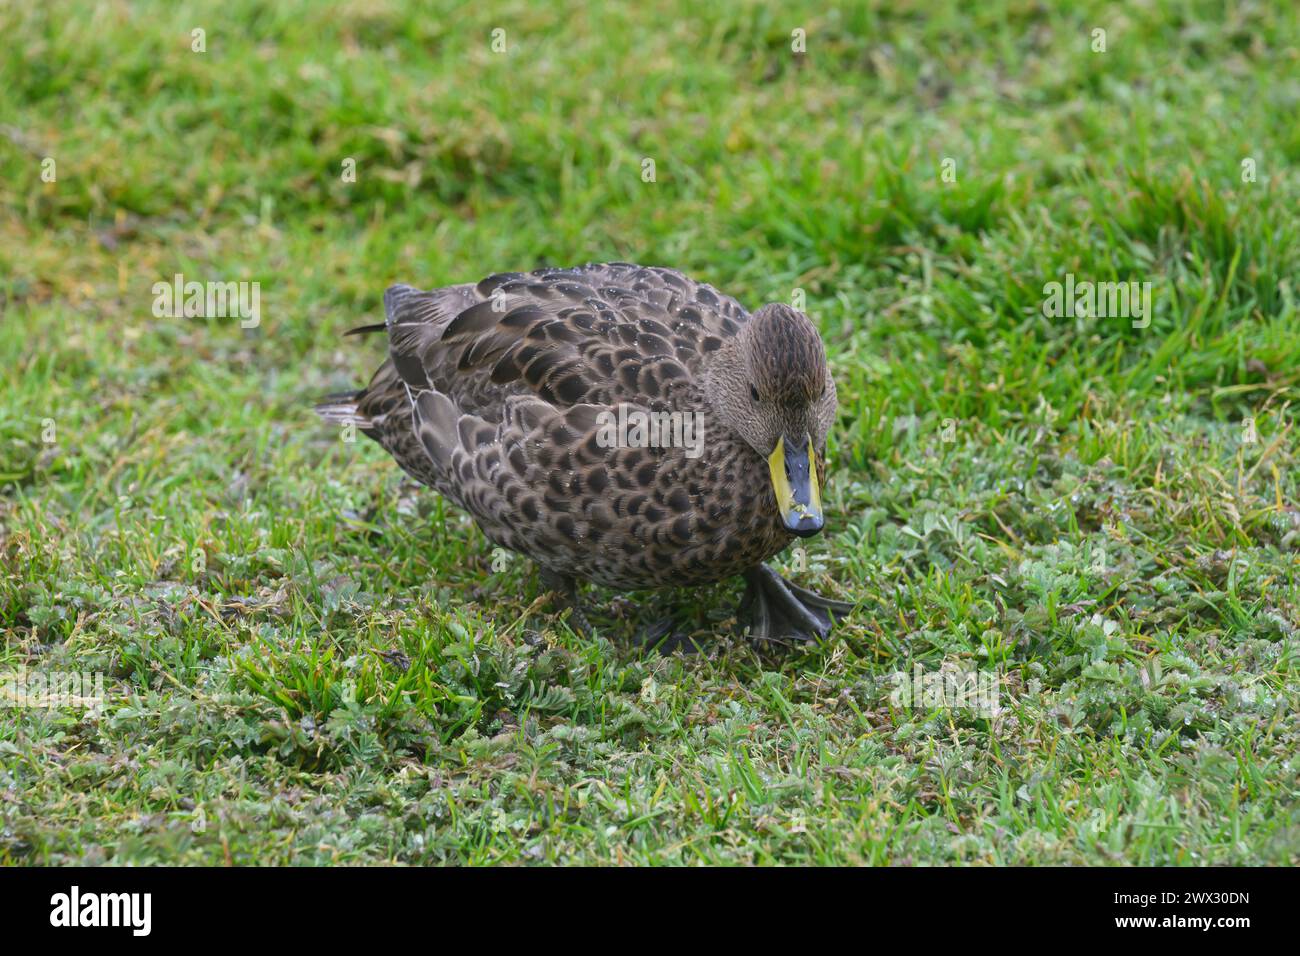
(753, 393)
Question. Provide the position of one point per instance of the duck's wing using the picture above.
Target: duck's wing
(597, 334)
(492, 393)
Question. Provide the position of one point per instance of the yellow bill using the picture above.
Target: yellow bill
(794, 479)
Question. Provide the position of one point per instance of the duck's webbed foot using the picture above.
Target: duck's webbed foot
(666, 636)
(784, 613)
(566, 597)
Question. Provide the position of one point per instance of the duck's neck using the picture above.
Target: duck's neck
(723, 381)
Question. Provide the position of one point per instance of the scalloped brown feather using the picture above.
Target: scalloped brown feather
(491, 395)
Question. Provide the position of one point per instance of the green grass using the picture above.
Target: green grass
(307, 659)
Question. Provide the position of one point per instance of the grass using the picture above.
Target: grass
(307, 659)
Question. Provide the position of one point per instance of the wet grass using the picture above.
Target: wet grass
(308, 659)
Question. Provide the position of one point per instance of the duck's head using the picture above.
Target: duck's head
(771, 385)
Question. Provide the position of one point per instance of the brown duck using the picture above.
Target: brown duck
(616, 423)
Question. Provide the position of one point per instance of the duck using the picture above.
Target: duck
(617, 424)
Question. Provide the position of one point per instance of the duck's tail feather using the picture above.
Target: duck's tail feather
(340, 408)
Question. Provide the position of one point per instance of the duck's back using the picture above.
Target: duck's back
(597, 333)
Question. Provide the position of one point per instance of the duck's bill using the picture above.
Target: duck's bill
(794, 478)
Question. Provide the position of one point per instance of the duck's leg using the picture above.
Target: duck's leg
(784, 613)
(565, 589)
(662, 635)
